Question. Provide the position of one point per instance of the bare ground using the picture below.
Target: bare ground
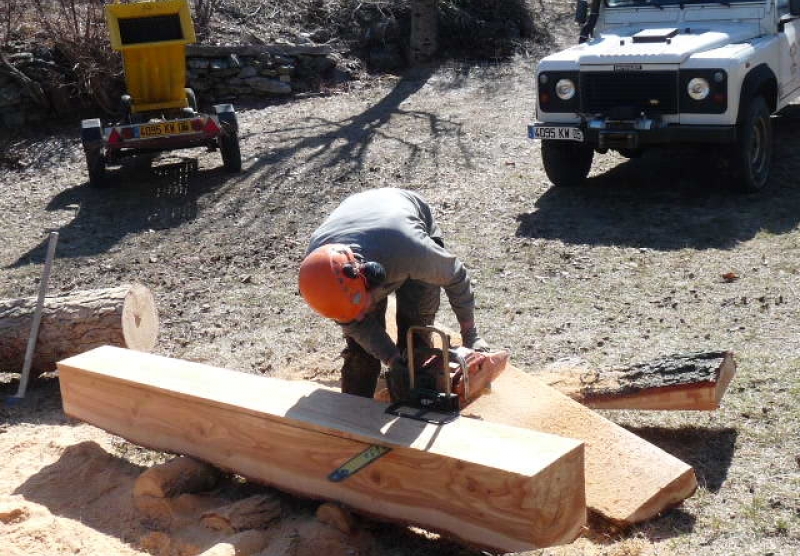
(628, 268)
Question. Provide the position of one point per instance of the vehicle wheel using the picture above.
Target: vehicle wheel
(125, 103)
(566, 164)
(752, 153)
(191, 98)
(231, 156)
(96, 164)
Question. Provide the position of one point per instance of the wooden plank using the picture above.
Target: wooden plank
(628, 480)
(684, 381)
(486, 484)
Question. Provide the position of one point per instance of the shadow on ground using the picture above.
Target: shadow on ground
(139, 198)
(41, 404)
(89, 485)
(290, 170)
(672, 199)
(708, 451)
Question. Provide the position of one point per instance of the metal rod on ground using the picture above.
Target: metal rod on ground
(37, 316)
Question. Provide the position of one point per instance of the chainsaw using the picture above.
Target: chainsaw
(443, 379)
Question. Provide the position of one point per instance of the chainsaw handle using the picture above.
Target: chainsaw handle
(412, 368)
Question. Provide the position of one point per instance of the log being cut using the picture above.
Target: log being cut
(628, 480)
(687, 381)
(486, 484)
(124, 316)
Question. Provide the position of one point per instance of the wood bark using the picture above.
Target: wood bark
(488, 485)
(124, 316)
(628, 480)
(253, 512)
(684, 381)
(177, 476)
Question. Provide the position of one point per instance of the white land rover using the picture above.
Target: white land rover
(658, 72)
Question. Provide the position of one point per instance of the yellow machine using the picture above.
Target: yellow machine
(152, 37)
(160, 113)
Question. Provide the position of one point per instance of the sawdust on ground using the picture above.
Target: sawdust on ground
(63, 491)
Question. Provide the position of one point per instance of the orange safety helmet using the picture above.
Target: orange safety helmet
(331, 283)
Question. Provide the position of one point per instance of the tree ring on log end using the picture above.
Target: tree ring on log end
(139, 319)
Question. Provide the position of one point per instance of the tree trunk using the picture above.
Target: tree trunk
(683, 381)
(125, 316)
(424, 31)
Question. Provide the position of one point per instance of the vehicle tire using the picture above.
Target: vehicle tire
(96, 165)
(566, 164)
(231, 155)
(191, 98)
(751, 159)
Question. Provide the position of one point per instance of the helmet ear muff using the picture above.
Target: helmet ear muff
(350, 271)
(374, 273)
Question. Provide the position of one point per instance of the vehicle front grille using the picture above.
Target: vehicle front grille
(639, 91)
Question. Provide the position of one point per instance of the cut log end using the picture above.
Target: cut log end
(139, 319)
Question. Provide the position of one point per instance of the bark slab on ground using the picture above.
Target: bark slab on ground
(683, 381)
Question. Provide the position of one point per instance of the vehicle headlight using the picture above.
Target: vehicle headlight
(565, 89)
(698, 88)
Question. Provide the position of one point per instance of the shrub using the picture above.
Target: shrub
(77, 29)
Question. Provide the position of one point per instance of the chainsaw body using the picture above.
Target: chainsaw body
(444, 380)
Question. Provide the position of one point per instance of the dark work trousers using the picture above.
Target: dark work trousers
(417, 304)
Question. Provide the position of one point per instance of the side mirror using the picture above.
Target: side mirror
(582, 10)
(794, 7)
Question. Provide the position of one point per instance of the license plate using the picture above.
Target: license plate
(166, 128)
(555, 133)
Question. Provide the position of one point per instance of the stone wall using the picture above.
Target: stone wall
(216, 73)
(228, 73)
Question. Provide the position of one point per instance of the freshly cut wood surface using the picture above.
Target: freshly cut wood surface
(124, 316)
(628, 480)
(486, 484)
(684, 381)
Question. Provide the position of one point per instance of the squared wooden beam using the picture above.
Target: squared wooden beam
(486, 484)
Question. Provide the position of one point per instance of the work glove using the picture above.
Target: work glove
(471, 339)
(397, 380)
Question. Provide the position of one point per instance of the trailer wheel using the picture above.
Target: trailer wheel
(231, 155)
(96, 165)
(566, 164)
(191, 98)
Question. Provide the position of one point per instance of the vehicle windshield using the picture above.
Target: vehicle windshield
(661, 3)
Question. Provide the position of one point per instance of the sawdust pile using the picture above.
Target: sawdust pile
(63, 492)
